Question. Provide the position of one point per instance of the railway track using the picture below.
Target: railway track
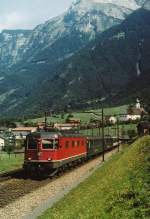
(15, 184)
(16, 187)
(10, 174)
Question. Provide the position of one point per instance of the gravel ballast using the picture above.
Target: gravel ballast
(35, 203)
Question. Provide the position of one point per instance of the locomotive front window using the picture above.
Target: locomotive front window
(32, 143)
(50, 144)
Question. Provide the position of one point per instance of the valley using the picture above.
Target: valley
(74, 109)
(74, 58)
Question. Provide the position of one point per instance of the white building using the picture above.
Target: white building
(134, 117)
(64, 126)
(138, 105)
(22, 132)
(127, 117)
(112, 119)
(133, 113)
(2, 143)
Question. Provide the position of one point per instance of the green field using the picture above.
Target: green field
(119, 189)
(10, 163)
(112, 110)
(84, 116)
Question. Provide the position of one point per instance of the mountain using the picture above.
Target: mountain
(32, 60)
(114, 68)
(146, 5)
(80, 23)
(11, 45)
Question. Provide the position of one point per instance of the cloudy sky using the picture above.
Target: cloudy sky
(26, 14)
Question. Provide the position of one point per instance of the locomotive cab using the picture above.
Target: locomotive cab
(41, 149)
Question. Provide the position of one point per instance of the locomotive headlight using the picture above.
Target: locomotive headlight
(49, 159)
(29, 158)
(39, 153)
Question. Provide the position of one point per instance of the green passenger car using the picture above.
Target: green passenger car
(95, 145)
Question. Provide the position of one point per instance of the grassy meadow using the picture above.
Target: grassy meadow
(84, 116)
(10, 162)
(119, 189)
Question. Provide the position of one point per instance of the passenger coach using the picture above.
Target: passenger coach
(50, 152)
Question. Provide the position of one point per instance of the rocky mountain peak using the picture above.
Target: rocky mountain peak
(30, 58)
(147, 5)
(131, 4)
(117, 9)
(87, 17)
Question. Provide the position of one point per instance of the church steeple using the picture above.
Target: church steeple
(138, 105)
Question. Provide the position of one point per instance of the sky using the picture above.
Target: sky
(26, 14)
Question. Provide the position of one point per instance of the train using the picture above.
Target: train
(143, 128)
(50, 152)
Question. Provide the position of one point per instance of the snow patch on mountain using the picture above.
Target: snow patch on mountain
(132, 4)
(113, 8)
(85, 17)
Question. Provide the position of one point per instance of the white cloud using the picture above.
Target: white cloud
(26, 14)
(9, 21)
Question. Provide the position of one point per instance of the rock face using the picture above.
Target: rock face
(12, 44)
(29, 58)
(114, 68)
(147, 5)
(85, 18)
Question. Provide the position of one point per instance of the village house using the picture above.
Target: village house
(127, 117)
(2, 143)
(22, 132)
(111, 119)
(3, 129)
(65, 126)
(134, 113)
(73, 121)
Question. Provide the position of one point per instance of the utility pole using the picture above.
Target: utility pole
(99, 131)
(45, 121)
(103, 135)
(118, 133)
(92, 131)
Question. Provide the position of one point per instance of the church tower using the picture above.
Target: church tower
(138, 105)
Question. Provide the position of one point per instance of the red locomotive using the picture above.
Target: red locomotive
(49, 152)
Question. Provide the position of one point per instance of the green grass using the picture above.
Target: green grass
(119, 189)
(49, 119)
(84, 116)
(9, 163)
(112, 110)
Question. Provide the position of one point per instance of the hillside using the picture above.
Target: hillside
(84, 18)
(109, 70)
(85, 115)
(31, 61)
(119, 189)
